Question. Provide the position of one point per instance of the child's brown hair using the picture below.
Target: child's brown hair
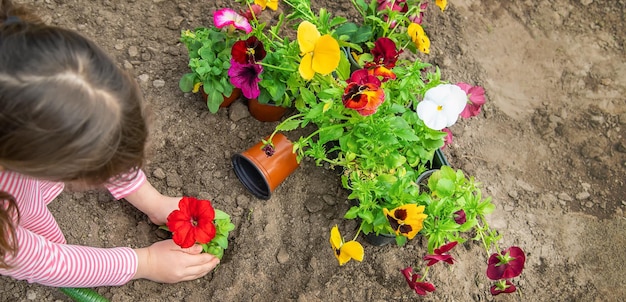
(67, 111)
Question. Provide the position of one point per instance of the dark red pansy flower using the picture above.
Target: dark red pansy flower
(459, 216)
(249, 51)
(508, 264)
(192, 222)
(440, 255)
(269, 150)
(385, 52)
(421, 288)
(502, 287)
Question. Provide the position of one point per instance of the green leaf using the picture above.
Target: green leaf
(219, 215)
(288, 125)
(214, 101)
(187, 81)
(351, 213)
(366, 216)
(221, 240)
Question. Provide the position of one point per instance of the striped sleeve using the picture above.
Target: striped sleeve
(61, 265)
(126, 184)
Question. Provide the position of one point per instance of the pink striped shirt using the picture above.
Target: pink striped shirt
(43, 255)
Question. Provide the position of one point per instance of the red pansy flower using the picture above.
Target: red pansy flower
(421, 288)
(508, 264)
(385, 52)
(192, 222)
(385, 58)
(440, 255)
(502, 287)
(363, 93)
(459, 216)
(249, 51)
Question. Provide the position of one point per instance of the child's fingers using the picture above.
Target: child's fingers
(201, 269)
(194, 249)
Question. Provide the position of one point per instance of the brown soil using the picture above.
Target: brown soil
(549, 148)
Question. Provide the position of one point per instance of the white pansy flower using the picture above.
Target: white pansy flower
(441, 106)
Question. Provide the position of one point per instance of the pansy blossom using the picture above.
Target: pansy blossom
(229, 17)
(406, 220)
(320, 54)
(508, 264)
(246, 78)
(252, 12)
(419, 17)
(476, 96)
(385, 57)
(502, 287)
(420, 287)
(249, 51)
(440, 254)
(345, 251)
(272, 4)
(419, 37)
(459, 216)
(441, 106)
(363, 93)
(192, 222)
(442, 4)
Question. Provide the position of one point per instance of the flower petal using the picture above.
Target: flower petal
(326, 55)
(353, 249)
(306, 68)
(441, 3)
(227, 16)
(429, 113)
(307, 36)
(335, 238)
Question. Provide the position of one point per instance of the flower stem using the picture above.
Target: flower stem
(276, 67)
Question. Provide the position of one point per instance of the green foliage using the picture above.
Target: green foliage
(209, 61)
(448, 192)
(223, 226)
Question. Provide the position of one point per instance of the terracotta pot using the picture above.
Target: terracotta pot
(260, 173)
(227, 99)
(265, 112)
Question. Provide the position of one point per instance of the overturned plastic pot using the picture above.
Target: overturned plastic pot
(261, 171)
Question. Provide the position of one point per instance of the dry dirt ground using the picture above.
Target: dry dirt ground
(549, 148)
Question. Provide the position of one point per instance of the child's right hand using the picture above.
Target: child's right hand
(166, 262)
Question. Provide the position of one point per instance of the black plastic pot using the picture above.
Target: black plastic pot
(380, 239)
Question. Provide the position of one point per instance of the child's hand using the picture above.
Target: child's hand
(152, 203)
(166, 262)
(162, 207)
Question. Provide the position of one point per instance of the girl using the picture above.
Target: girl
(68, 114)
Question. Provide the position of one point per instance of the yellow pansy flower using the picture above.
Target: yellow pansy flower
(406, 220)
(441, 3)
(196, 87)
(345, 251)
(419, 37)
(272, 4)
(320, 54)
